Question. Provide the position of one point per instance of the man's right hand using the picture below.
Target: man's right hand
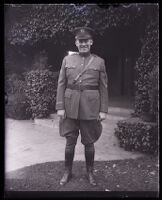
(61, 113)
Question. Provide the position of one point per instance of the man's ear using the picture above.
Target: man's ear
(76, 43)
(91, 42)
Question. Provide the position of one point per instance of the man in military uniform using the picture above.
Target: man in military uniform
(82, 101)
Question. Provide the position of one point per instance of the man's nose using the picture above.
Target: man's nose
(84, 43)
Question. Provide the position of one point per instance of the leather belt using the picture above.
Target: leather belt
(82, 87)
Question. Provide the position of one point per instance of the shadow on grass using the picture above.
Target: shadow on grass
(119, 175)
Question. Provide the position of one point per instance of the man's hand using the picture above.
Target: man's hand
(102, 116)
(61, 113)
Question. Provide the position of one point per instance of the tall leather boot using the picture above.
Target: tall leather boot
(89, 156)
(69, 155)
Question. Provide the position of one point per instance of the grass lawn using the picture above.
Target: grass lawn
(140, 174)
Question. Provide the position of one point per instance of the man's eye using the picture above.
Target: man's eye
(83, 41)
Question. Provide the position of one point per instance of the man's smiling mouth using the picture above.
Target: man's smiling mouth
(83, 46)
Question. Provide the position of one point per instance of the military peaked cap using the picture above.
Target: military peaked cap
(83, 32)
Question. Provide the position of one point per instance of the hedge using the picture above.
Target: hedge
(17, 106)
(137, 135)
(17, 111)
(41, 86)
(146, 92)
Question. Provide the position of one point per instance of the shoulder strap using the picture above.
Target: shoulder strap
(86, 67)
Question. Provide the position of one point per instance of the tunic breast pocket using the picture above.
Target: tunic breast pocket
(93, 72)
(70, 69)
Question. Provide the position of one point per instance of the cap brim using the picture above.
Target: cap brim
(83, 37)
(75, 30)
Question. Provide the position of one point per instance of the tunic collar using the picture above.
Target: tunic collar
(85, 54)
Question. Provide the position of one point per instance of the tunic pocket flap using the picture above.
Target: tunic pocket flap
(95, 68)
(70, 66)
(93, 96)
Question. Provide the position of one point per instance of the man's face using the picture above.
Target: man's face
(84, 45)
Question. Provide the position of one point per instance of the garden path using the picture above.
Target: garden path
(28, 142)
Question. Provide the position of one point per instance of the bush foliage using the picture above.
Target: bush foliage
(134, 134)
(41, 85)
(146, 97)
(17, 106)
(32, 23)
(14, 84)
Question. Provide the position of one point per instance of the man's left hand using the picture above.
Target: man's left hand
(102, 116)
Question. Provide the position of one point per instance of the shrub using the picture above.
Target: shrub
(41, 85)
(14, 84)
(134, 134)
(154, 92)
(40, 60)
(17, 106)
(146, 96)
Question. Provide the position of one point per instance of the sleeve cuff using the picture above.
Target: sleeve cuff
(59, 106)
(104, 109)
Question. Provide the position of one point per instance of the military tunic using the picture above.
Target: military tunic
(86, 104)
